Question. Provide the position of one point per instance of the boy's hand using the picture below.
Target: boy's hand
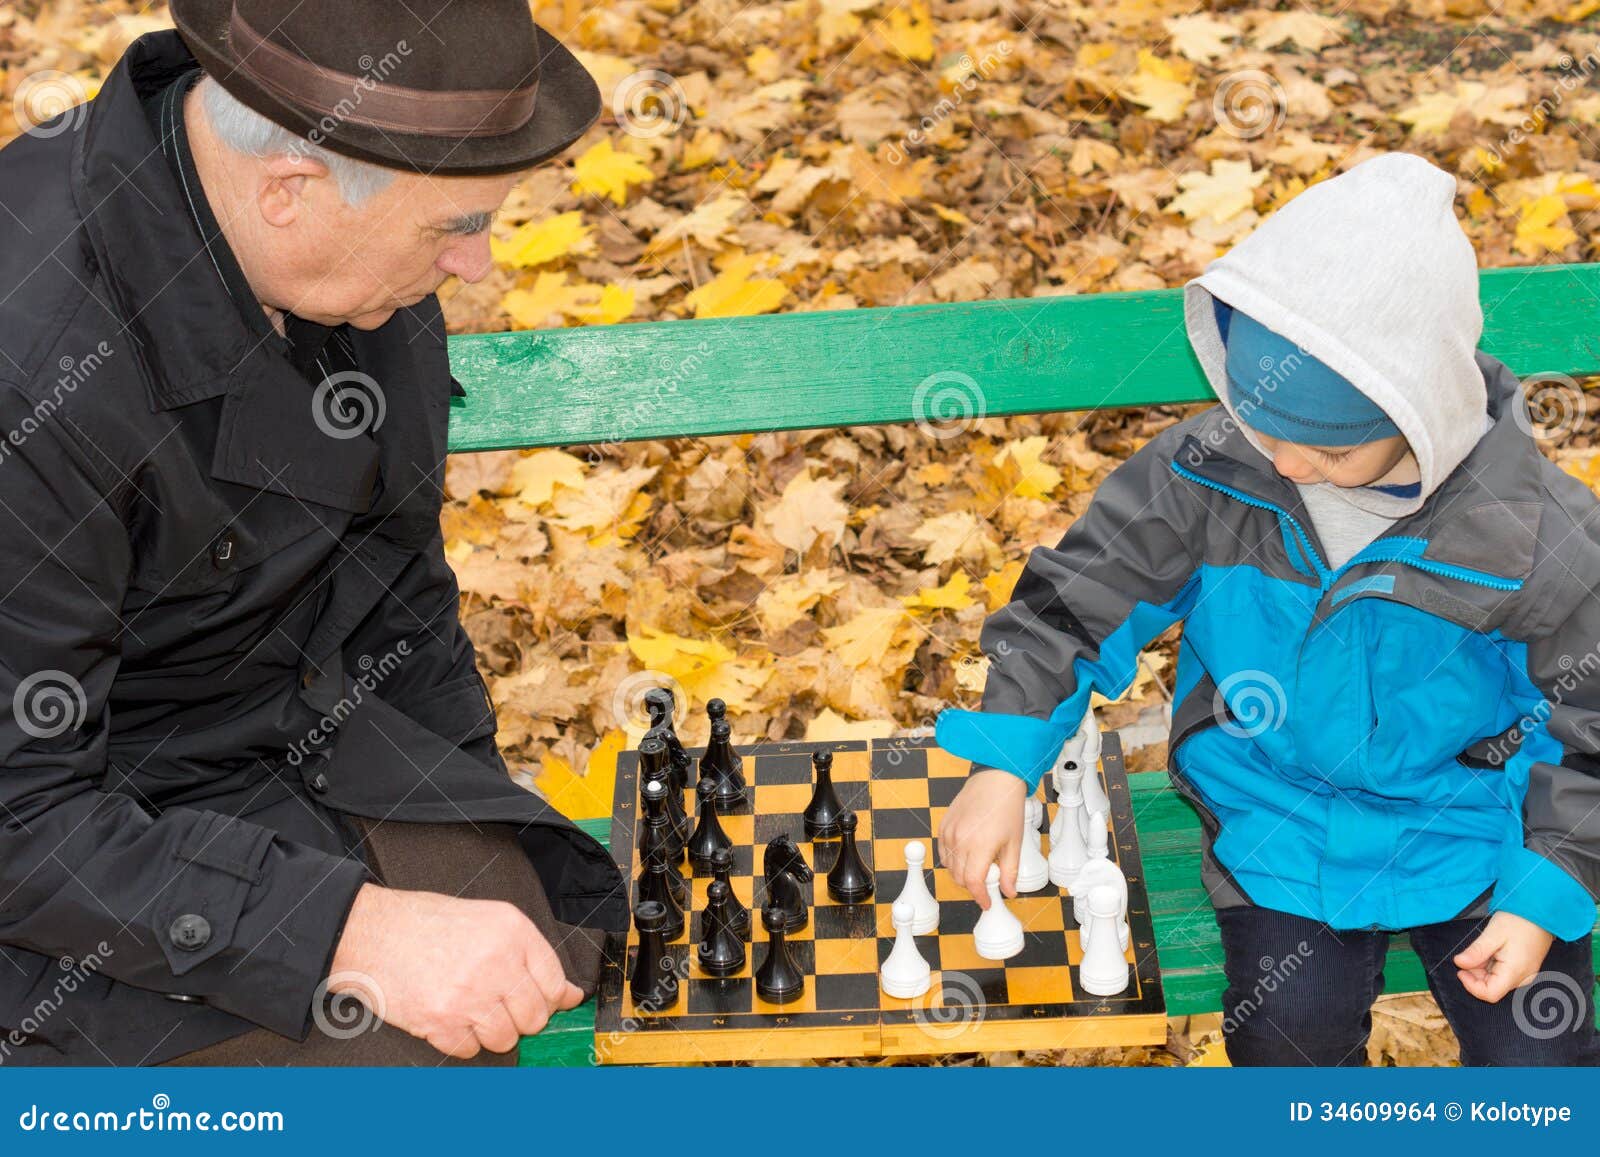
(983, 827)
(1506, 955)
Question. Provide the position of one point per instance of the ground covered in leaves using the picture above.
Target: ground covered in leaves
(833, 154)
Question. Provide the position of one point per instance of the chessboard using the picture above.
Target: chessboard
(899, 789)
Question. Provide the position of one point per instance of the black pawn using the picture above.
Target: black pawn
(849, 880)
(654, 766)
(721, 761)
(708, 838)
(655, 885)
(661, 706)
(738, 914)
(654, 983)
(658, 840)
(823, 812)
(721, 951)
(778, 980)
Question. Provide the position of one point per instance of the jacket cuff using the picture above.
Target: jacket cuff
(1020, 744)
(1540, 890)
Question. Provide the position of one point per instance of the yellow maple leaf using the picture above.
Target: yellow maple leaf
(1161, 87)
(552, 300)
(1039, 479)
(609, 507)
(734, 293)
(864, 640)
(587, 796)
(764, 64)
(999, 585)
(536, 476)
(1225, 192)
(1200, 38)
(910, 34)
(1587, 472)
(703, 667)
(607, 173)
(1540, 227)
(788, 599)
(829, 725)
(538, 242)
(837, 20)
(952, 596)
(808, 511)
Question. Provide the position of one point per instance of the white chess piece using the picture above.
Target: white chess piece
(925, 909)
(998, 933)
(1104, 969)
(1092, 875)
(1094, 800)
(904, 974)
(1068, 852)
(1033, 872)
(1098, 848)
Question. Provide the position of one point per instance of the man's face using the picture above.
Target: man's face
(1341, 465)
(361, 263)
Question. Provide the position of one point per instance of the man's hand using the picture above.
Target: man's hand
(983, 827)
(1506, 955)
(463, 975)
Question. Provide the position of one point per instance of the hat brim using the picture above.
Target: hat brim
(568, 103)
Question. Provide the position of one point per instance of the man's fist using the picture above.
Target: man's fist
(463, 975)
(983, 827)
(1507, 954)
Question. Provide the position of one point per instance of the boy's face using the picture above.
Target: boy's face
(1341, 465)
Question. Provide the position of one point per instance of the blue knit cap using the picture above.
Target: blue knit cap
(1283, 393)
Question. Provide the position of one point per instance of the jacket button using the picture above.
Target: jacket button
(319, 784)
(222, 551)
(190, 932)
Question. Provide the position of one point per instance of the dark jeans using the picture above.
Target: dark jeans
(1301, 993)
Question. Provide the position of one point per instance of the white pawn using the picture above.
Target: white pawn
(1067, 783)
(1094, 791)
(1068, 852)
(1033, 872)
(1092, 875)
(1104, 970)
(1098, 849)
(925, 909)
(904, 974)
(998, 933)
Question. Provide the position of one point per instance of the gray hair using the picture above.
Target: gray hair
(243, 130)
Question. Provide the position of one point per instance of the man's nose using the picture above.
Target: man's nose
(469, 258)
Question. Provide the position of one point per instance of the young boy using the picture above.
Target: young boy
(1387, 709)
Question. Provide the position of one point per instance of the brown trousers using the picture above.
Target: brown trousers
(485, 863)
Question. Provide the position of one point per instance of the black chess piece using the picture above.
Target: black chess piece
(708, 837)
(654, 885)
(778, 980)
(657, 840)
(849, 880)
(654, 983)
(661, 706)
(721, 951)
(785, 871)
(823, 812)
(721, 765)
(738, 914)
(654, 764)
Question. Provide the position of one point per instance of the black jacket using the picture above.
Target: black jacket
(222, 627)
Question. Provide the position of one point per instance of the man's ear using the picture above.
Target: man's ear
(291, 180)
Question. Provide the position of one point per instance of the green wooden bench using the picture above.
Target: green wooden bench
(599, 384)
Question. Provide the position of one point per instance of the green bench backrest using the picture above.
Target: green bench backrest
(615, 383)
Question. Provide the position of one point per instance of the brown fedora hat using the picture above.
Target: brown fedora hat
(453, 87)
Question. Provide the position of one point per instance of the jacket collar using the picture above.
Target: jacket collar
(189, 338)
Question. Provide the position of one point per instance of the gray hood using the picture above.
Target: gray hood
(1370, 272)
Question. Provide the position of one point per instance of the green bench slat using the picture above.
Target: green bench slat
(569, 387)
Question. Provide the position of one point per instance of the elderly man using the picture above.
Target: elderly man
(249, 770)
